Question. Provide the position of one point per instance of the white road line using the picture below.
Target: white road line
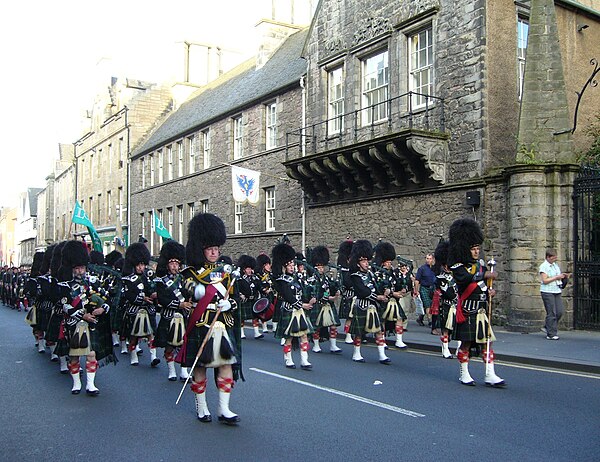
(379, 404)
(525, 366)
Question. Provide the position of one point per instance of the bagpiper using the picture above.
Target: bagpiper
(348, 291)
(248, 293)
(210, 338)
(294, 322)
(446, 285)
(173, 304)
(472, 325)
(87, 318)
(323, 315)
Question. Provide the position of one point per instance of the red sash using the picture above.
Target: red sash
(199, 310)
(460, 317)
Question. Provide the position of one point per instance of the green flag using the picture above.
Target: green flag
(160, 228)
(81, 218)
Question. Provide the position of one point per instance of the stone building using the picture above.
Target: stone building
(8, 243)
(412, 121)
(26, 226)
(240, 119)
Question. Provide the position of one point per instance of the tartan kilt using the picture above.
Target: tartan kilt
(53, 329)
(359, 320)
(345, 307)
(101, 340)
(246, 310)
(277, 312)
(286, 318)
(316, 314)
(161, 334)
(43, 314)
(426, 296)
(444, 312)
(62, 345)
(467, 331)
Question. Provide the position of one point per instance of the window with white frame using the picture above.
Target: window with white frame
(375, 83)
(335, 103)
(270, 209)
(238, 218)
(170, 168)
(191, 210)
(191, 145)
(204, 206)
(522, 34)
(179, 159)
(143, 225)
(152, 170)
(143, 172)
(152, 228)
(421, 66)
(170, 219)
(109, 206)
(161, 161)
(110, 157)
(121, 152)
(206, 148)
(271, 125)
(122, 206)
(238, 137)
(180, 223)
(99, 209)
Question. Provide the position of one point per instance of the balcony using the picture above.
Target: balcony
(382, 150)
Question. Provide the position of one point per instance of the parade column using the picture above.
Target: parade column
(540, 184)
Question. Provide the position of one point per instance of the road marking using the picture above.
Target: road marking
(525, 366)
(371, 402)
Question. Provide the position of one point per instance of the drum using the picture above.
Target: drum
(263, 309)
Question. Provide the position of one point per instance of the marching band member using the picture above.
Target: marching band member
(210, 338)
(470, 273)
(32, 291)
(348, 291)
(263, 271)
(294, 323)
(393, 314)
(248, 291)
(323, 315)
(173, 305)
(138, 302)
(366, 301)
(88, 322)
(54, 336)
(46, 298)
(448, 295)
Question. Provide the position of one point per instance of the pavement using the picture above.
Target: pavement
(576, 350)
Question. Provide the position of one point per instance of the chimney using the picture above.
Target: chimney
(271, 34)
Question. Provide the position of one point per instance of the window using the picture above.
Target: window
(109, 206)
(421, 66)
(170, 218)
(151, 239)
(91, 209)
(143, 173)
(191, 154)
(143, 225)
(121, 152)
(99, 209)
(238, 135)
(180, 223)
(91, 166)
(161, 162)
(204, 206)
(270, 209)
(522, 33)
(179, 159)
(122, 207)
(170, 161)
(335, 106)
(238, 218)
(375, 88)
(271, 128)
(110, 158)
(191, 210)
(99, 162)
(206, 148)
(151, 170)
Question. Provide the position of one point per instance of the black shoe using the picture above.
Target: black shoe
(362, 360)
(92, 392)
(155, 362)
(290, 366)
(229, 420)
(205, 418)
(336, 352)
(385, 361)
(172, 379)
(259, 337)
(496, 385)
(307, 367)
(75, 392)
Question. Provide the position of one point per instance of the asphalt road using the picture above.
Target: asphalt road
(413, 410)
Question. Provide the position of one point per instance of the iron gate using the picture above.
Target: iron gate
(586, 274)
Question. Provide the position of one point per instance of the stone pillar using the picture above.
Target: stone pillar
(541, 183)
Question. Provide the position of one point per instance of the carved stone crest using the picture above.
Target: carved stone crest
(371, 27)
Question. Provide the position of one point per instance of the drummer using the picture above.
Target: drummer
(248, 291)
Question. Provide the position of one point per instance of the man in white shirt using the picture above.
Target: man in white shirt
(551, 287)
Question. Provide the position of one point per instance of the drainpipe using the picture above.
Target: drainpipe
(128, 180)
(303, 144)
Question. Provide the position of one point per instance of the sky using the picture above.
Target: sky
(55, 56)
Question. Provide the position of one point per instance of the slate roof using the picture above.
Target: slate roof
(232, 91)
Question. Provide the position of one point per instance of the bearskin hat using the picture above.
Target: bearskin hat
(112, 257)
(282, 254)
(246, 261)
(344, 252)
(119, 264)
(384, 251)
(171, 250)
(36, 265)
(74, 253)
(56, 261)
(137, 253)
(205, 230)
(47, 259)
(261, 261)
(464, 233)
(319, 256)
(440, 255)
(360, 249)
(97, 258)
